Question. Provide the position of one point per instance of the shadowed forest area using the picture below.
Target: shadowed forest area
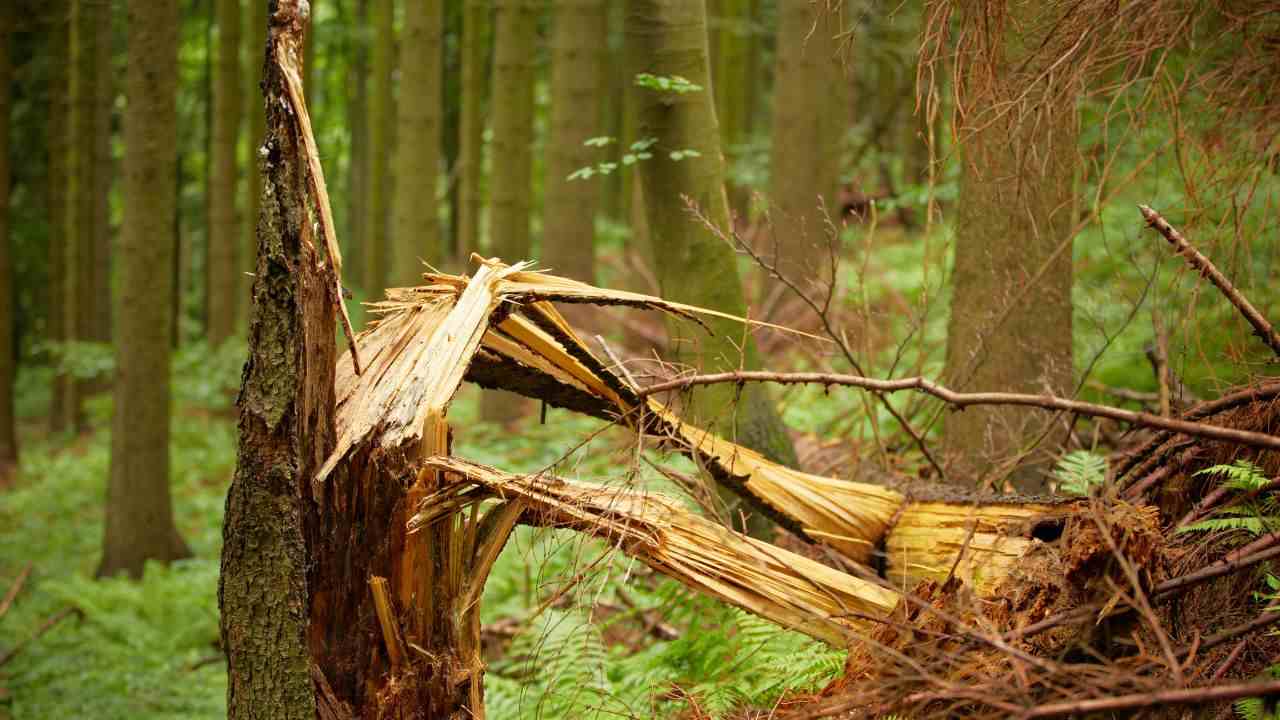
(639, 358)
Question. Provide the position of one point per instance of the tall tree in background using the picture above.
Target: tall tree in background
(475, 61)
(358, 158)
(64, 400)
(254, 45)
(378, 149)
(99, 290)
(515, 41)
(224, 236)
(730, 81)
(1010, 326)
(8, 294)
(668, 38)
(417, 232)
(808, 121)
(139, 513)
(577, 88)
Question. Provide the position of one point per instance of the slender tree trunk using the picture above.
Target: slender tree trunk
(515, 41)
(358, 161)
(8, 298)
(59, 136)
(417, 233)
(254, 45)
(139, 522)
(1010, 328)
(667, 38)
(103, 172)
(731, 83)
(577, 87)
(377, 198)
(808, 119)
(475, 61)
(224, 232)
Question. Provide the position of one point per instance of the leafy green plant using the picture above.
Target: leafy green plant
(1253, 514)
(1079, 471)
(667, 83)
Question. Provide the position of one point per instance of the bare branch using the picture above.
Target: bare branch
(1202, 264)
(962, 400)
(1193, 696)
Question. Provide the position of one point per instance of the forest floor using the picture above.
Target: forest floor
(618, 642)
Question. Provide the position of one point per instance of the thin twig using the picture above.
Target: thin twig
(45, 627)
(961, 400)
(1138, 700)
(1202, 264)
(14, 589)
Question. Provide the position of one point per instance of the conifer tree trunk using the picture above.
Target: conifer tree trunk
(224, 236)
(8, 354)
(85, 23)
(417, 233)
(59, 136)
(668, 38)
(377, 197)
(358, 160)
(510, 185)
(808, 119)
(475, 61)
(103, 172)
(139, 513)
(730, 84)
(577, 74)
(1009, 329)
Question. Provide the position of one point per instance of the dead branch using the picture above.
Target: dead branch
(1189, 696)
(962, 400)
(1207, 269)
(14, 589)
(45, 627)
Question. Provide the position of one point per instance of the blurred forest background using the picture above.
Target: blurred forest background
(938, 196)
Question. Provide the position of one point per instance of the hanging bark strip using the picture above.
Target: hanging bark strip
(287, 59)
(1206, 268)
(962, 400)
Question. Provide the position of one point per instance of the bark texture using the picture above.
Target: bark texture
(286, 426)
(417, 232)
(511, 188)
(475, 61)
(103, 174)
(808, 119)
(666, 38)
(1010, 326)
(224, 231)
(577, 89)
(8, 355)
(377, 198)
(139, 512)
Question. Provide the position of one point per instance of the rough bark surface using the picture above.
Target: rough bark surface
(139, 513)
(511, 188)
(8, 364)
(577, 74)
(417, 230)
(666, 38)
(1010, 326)
(286, 427)
(224, 231)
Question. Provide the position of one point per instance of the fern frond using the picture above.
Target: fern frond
(1080, 470)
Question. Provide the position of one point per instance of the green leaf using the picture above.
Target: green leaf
(584, 173)
(599, 141)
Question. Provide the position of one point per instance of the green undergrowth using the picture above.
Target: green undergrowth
(148, 649)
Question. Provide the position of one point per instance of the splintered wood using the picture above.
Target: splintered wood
(499, 328)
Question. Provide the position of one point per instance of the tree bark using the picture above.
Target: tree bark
(377, 151)
(103, 172)
(668, 38)
(59, 19)
(224, 232)
(511, 181)
(730, 83)
(8, 296)
(417, 232)
(577, 74)
(475, 61)
(139, 513)
(808, 119)
(1010, 326)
